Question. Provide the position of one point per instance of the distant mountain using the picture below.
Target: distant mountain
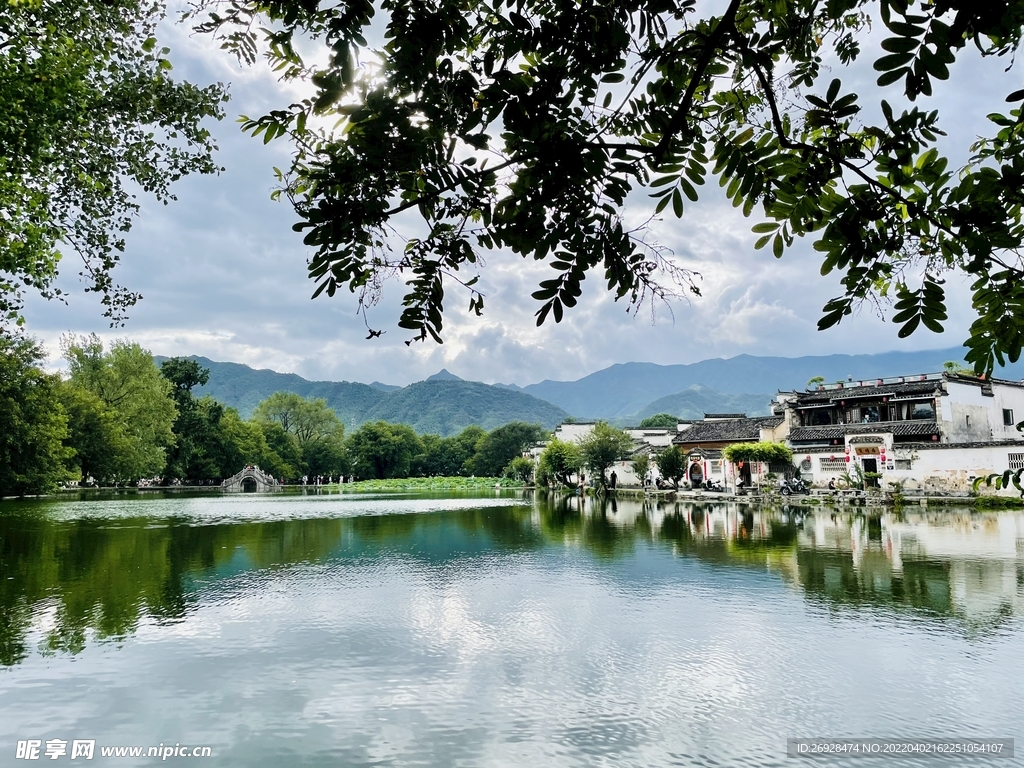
(622, 390)
(447, 406)
(442, 405)
(443, 375)
(696, 400)
(384, 387)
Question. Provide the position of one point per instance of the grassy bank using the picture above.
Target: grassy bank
(428, 484)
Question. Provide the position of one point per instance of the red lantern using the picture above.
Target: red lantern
(847, 459)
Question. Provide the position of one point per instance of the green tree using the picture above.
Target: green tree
(381, 450)
(519, 469)
(91, 117)
(193, 454)
(266, 445)
(603, 447)
(815, 381)
(955, 368)
(499, 446)
(560, 460)
(527, 129)
(96, 436)
(328, 455)
(128, 382)
(309, 419)
(283, 445)
(448, 456)
(319, 433)
(671, 465)
(641, 466)
(659, 421)
(764, 451)
(33, 425)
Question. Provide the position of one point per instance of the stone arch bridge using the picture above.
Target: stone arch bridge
(250, 480)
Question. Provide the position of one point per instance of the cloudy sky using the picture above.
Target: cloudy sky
(223, 275)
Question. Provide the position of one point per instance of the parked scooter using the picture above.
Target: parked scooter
(713, 485)
(793, 486)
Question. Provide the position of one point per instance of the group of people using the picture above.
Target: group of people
(321, 479)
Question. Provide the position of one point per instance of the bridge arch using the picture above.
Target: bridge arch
(251, 479)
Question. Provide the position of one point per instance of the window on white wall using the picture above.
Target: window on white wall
(832, 465)
(1008, 417)
(902, 464)
(1015, 460)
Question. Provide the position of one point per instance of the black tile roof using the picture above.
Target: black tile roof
(727, 429)
(835, 431)
(818, 396)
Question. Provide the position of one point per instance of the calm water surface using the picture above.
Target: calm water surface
(504, 631)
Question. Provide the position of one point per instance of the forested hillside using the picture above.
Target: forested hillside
(443, 405)
(694, 401)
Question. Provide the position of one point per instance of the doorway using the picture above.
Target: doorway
(696, 474)
(871, 466)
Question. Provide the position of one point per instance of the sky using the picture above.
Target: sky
(224, 276)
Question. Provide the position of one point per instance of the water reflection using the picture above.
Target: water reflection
(65, 578)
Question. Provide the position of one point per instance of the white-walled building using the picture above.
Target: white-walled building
(931, 432)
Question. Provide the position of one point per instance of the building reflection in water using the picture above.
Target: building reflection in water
(64, 579)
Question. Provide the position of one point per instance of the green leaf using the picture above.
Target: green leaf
(892, 61)
(891, 77)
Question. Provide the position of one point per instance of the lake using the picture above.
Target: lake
(505, 630)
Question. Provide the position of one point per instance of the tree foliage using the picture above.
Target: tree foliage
(97, 439)
(659, 421)
(641, 466)
(602, 447)
(33, 425)
(524, 125)
(448, 456)
(498, 447)
(766, 452)
(309, 419)
(91, 117)
(519, 469)
(560, 461)
(127, 381)
(380, 450)
(671, 464)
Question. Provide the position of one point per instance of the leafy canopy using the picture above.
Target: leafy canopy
(497, 448)
(766, 452)
(128, 383)
(671, 464)
(91, 118)
(602, 447)
(559, 461)
(381, 450)
(522, 125)
(33, 425)
(659, 421)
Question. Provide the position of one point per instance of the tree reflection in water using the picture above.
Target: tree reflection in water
(64, 580)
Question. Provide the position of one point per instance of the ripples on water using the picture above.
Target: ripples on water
(500, 631)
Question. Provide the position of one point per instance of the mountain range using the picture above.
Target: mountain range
(627, 389)
(443, 404)
(624, 394)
